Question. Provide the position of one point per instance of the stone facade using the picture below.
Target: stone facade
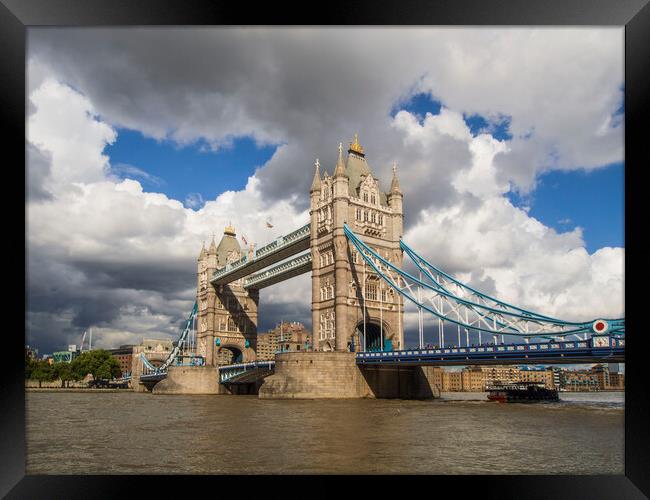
(227, 314)
(341, 283)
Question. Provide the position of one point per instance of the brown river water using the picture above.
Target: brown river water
(134, 433)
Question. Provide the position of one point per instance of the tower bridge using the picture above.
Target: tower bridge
(353, 248)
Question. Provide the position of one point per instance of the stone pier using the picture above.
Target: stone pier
(314, 375)
(190, 380)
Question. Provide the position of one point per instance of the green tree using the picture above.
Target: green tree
(42, 372)
(99, 363)
(30, 365)
(62, 371)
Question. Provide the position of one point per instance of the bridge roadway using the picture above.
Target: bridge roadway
(561, 352)
(276, 251)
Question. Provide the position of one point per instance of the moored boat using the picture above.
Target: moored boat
(522, 392)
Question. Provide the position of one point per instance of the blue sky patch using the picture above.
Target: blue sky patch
(499, 127)
(419, 104)
(593, 200)
(191, 174)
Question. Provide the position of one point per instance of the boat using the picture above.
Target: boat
(521, 392)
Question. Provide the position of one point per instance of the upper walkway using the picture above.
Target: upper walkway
(279, 249)
(283, 271)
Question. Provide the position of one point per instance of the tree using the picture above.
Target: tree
(42, 372)
(62, 371)
(99, 363)
(30, 365)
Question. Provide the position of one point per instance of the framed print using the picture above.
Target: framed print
(381, 239)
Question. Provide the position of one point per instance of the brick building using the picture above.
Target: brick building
(124, 355)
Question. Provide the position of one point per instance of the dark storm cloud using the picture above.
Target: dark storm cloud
(271, 314)
(67, 296)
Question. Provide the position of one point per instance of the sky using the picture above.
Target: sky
(144, 142)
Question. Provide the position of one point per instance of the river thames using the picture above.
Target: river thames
(126, 432)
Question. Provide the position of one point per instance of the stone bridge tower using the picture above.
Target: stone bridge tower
(227, 314)
(341, 283)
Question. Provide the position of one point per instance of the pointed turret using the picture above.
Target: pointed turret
(213, 247)
(340, 164)
(394, 185)
(315, 185)
(227, 246)
(202, 254)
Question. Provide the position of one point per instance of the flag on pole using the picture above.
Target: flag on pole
(243, 238)
(268, 224)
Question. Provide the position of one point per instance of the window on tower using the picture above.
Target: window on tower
(371, 291)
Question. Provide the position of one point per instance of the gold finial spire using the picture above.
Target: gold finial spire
(229, 229)
(355, 146)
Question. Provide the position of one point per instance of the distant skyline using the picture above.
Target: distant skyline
(144, 142)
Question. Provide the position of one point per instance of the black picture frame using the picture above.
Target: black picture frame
(17, 15)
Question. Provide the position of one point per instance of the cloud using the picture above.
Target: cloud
(194, 200)
(123, 170)
(105, 251)
(309, 88)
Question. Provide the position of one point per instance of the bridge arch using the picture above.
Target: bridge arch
(377, 336)
(228, 354)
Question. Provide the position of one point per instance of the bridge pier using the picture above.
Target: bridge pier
(190, 380)
(335, 375)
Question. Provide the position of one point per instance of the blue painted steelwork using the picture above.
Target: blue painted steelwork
(487, 314)
(578, 351)
(245, 372)
(151, 372)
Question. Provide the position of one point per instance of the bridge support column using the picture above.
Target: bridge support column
(335, 375)
(190, 380)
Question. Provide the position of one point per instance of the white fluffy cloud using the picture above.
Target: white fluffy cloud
(108, 253)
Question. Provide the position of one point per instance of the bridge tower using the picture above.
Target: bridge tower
(344, 289)
(227, 314)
